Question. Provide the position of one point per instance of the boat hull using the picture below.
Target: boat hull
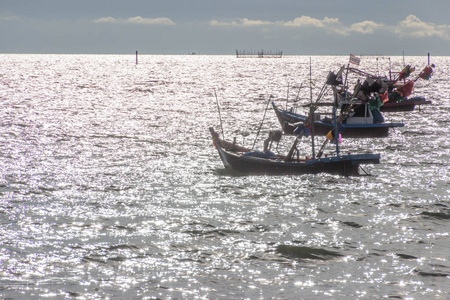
(407, 105)
(287, 119)
(234, 159)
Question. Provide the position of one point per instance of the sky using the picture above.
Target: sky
(295, 27)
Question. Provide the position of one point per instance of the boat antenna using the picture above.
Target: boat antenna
(287, 96)
(262, 121)
(390, 70)
(298, 93)
(220, 117)
(378, 72)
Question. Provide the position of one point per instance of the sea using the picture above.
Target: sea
(111, 188)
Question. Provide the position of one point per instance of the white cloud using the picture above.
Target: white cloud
(136, 20)
(9, 18)
(305, 21)
(413, 27)
(365, 27)
(332, 25)
(240, 22)
(105, 20)
(150, 21)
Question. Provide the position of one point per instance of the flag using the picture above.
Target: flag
(406, 89)
(354, 60)
(426, 73)
(405, 72)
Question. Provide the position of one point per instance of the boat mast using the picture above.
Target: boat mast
(334, 112)
(336, 132)
(311, 110)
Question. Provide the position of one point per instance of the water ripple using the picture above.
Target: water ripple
(110, 186)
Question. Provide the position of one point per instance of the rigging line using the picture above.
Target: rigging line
(336, 133)
(262, 121)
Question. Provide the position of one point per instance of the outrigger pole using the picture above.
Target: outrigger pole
(220, 117)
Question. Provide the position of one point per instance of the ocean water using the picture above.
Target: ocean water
(110, 187)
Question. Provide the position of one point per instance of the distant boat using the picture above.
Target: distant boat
(360, 108)
(398, 88)
(407, 105)
(357, 126)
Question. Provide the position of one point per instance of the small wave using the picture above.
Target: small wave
(120, 227)
(228, 172)
(73, 294)
(406, 256)
(259, 228)
(352, 224)
(436, 215)
(47, 189)
(93, 260)
(211, 233)
(141, 90)
(306, 252)
(123, 247)
(115, 188)
(117, 258)
(431, 274)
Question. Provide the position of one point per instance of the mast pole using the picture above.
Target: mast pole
(311, 110)
(336, 132)
(390, 70)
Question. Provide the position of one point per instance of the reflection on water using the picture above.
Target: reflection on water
(110, 186)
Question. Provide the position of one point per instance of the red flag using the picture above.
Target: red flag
(384, 97)
(406, 89)
(354, 60)
(426, 73)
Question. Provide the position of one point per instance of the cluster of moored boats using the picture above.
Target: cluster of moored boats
(353, 113)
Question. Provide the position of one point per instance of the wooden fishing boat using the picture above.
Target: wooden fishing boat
(407, 105)
(358, 126)
(248, 162)
(399, 89)
(360, 108)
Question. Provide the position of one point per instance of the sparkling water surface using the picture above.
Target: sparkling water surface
(110, 187)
